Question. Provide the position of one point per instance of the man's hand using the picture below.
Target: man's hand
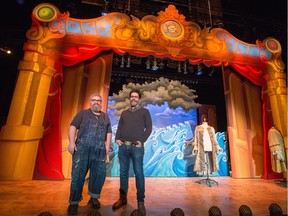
(138, 144)
(72, 148)
(119, 142)
(107, 148)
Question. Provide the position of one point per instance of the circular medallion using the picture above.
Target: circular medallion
(172, 29)
(45, 12)
(273, 45)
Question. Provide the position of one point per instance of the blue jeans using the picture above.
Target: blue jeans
(136, 154)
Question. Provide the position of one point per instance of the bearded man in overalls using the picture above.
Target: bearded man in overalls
(89, 141)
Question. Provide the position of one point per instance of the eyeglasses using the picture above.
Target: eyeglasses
(95, 100)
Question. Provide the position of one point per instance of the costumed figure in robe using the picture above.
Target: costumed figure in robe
(205, 147)
(277, 149)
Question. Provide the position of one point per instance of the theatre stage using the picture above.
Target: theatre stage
(28, 198)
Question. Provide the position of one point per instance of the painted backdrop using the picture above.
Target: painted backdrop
(166, 150)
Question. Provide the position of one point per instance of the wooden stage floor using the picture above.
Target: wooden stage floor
(28, 198)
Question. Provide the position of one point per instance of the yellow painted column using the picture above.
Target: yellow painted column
(277, 92)
(277, 86)
(19, 138)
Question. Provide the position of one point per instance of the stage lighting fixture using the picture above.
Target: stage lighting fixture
(244, 210)
(116, 60)
(5, 50)
(212, 72)
(154, 67)
(128, 61)
(104, 12)
(199, 69)
(214, 211)
(122, 62)
(161, 64)
(185, 68)
(177, 212)
(275, 210)
(191, 69)
(148, 63)
(179, 67)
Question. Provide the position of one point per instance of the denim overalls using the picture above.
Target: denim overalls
(90, 154)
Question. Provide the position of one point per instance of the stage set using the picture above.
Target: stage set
(67, 59)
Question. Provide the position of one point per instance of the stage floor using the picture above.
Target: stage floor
(28, 198)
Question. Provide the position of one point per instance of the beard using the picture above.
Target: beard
(133, 103)
(96, 108)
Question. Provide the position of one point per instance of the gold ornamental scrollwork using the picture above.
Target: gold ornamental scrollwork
(275, 66)
(212, 42)
(168, 29)
(274, 47)
(127, 29)
(136, 29)
(172, 30)
(43, 16)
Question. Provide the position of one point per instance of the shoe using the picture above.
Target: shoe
(94, 203)
(72, 209)
(142, 208)
(120, 202)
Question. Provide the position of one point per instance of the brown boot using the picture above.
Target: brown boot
(121, 201)
(142, 208)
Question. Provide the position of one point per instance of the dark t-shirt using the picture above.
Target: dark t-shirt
(82, 117)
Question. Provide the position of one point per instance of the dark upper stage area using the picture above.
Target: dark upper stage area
(247, 20)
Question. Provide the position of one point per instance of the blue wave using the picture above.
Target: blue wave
(167, 154)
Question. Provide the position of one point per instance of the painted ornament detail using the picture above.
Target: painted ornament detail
(172, 29)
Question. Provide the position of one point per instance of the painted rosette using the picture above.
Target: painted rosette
(45, 12)
(272, 45)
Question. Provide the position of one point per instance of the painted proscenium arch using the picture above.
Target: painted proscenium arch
(56, 39)
(166, 35)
